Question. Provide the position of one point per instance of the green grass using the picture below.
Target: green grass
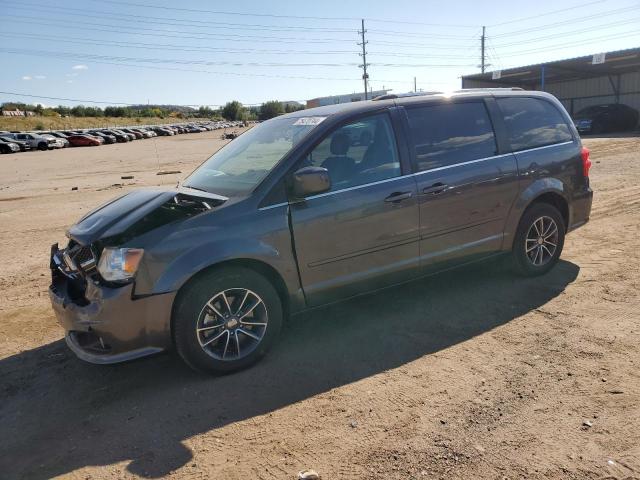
(59, 123)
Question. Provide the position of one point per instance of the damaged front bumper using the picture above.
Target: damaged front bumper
(103, 324)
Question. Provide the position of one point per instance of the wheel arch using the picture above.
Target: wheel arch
(258, 266)
(550, 191)
(555, 200)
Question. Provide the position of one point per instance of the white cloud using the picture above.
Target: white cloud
(79, 67)
(69, 81)
(71, 74)
(39, 77)
(26, 77)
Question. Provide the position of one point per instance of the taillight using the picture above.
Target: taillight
(586, 162)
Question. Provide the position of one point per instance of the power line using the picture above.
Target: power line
(183, 22)
(99, 102)
(158, 34)
(211, 72)
(521, 19)
(219, 36)
(89, 56)
(221, 12)
(572, 21)
(114, 58)
(269, 15)
(632, 33)
(564, 34)
(396, 33)
(155, 46)
(198, 49)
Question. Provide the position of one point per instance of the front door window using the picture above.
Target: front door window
(358, 153)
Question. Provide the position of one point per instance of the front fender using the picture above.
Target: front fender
(175, 254)
(525, 198)
(205, 255)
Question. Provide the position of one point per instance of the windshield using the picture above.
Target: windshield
(238, 167)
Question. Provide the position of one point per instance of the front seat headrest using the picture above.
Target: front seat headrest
(340, 143)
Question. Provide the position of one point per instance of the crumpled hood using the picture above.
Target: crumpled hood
(140, 211)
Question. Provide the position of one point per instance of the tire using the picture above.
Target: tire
(43, 146)
(201, 305)
(544, 218)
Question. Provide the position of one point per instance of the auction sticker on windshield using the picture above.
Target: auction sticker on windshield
(309, 120)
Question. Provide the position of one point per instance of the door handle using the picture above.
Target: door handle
(436, 188)
(396, 197)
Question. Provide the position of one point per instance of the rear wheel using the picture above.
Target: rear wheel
(226, 320)
(539, 240)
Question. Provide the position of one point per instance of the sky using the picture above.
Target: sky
(197, 52)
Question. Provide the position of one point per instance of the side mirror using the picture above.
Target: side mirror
(310, 181)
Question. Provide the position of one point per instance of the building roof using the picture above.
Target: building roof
(613, 63)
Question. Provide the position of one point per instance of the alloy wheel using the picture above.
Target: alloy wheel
(541, 241)
(232, 324)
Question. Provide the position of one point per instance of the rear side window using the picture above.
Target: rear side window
(533, 122)
(450, 133)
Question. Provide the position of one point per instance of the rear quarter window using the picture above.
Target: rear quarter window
(450, 133)
(533, 122)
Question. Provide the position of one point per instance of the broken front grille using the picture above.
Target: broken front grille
(78, 257)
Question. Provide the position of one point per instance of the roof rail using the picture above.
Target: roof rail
(490, 89)
(389, 96)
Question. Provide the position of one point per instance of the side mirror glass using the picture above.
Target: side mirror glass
(310, 181)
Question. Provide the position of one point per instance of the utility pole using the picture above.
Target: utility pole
(482, 55)
(365, 75)
(415, 85)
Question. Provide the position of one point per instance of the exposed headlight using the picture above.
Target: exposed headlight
(119, 264)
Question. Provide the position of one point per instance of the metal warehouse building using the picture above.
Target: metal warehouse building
(611, 77)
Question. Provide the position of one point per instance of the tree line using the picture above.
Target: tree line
(233, 110)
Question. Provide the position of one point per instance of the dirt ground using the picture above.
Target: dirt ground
(472, 374)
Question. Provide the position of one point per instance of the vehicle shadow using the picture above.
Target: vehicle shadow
(58, 414)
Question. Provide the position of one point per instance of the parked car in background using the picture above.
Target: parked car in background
(120, 137)
(81, 140)
(130, 131)
(97, 137)
(9, 147)
(58, 142)
(24, 146)
(163, 132)
(130, 136)
(35, 140)
(607, 118)
(61, 136)
(145, 133)
(108, 139)
(292, 215)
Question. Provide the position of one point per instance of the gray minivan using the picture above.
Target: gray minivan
(300, 212)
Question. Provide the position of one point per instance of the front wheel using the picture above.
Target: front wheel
(43, 146)
(226, 320)
(539, 240)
